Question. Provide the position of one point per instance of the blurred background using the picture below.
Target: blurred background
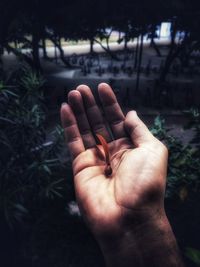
(149, 52)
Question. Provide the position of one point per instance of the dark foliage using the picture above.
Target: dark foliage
(183, 185)
(31, 172)
(184, 159)
(36, 226)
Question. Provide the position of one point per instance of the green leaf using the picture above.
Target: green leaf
(193, 254)
(20, 208)
(46, 168)
(7, 120)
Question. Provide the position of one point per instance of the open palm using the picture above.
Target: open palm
(138, 160)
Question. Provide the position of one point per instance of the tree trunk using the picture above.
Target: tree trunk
(108, 51)
(107, 43)
(55, 54)
(170, 57)
(20, 55)
(136, 54)
(44, 49)
(166, 68)
(154, 45)
(59, 41)
(125, 44)
(107, 39)
(15, 42)
(139, 64)
(125, 49)
(35, 51)
(126, 39)
(62, 54)
(169, 60)
(91, 45)
(62, 57)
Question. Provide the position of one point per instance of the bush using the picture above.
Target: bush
(30, 168)
(184, 159)
(183, 185)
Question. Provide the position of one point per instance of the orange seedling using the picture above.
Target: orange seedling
(108, 169)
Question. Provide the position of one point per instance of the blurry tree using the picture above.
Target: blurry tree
(31, 23)
(185, 19)
(31, 170)
(184, 160)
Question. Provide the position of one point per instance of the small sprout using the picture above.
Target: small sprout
(108, 169)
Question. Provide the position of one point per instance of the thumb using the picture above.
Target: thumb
(137, 130)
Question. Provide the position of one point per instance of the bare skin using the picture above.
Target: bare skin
(120, 208)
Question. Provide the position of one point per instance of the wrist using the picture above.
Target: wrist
(129, 230)
(150, 240)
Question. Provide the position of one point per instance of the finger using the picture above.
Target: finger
(76, 103)
(93, 112)
(72, 134)
(137, 130)
(112, 110)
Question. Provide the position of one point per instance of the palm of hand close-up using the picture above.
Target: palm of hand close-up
(138, 160)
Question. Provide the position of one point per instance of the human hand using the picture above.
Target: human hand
(125, 211)
(136, 187)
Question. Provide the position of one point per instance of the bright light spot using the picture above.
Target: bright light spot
(165, 30)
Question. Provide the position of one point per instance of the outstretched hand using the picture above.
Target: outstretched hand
(138, 159)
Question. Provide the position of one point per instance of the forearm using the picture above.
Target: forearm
(150, 244)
